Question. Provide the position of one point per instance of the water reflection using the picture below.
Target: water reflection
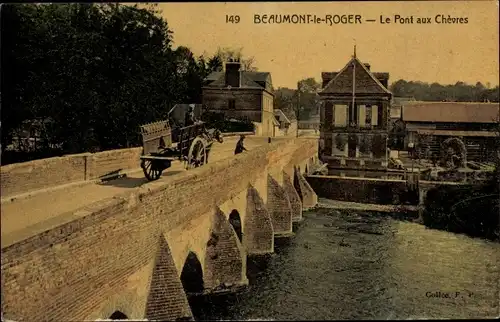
(344, 265)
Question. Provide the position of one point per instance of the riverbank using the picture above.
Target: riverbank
(347, 205)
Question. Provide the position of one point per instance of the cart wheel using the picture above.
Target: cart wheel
(197, 154)
(151, 171)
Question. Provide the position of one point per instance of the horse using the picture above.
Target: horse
(214, 135)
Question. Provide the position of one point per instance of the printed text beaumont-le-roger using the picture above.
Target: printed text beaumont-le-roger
(307, 19)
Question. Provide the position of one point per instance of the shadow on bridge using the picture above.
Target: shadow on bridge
(130, 182)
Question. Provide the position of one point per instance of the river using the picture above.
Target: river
(343, 265)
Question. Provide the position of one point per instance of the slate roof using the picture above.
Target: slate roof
(275, 121)
(279, 113)
(366, 81)
(248, 80)
(452, 112)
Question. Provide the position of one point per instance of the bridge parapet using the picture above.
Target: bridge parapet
(35, 175)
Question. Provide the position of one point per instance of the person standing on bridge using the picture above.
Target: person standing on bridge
(239, 145)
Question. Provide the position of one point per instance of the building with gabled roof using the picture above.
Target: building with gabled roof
(242, 95)
(354, 117)
(473, 126)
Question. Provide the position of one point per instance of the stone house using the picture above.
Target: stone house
(354, 117)
(469, 128)
(287, 123)
(242, 95)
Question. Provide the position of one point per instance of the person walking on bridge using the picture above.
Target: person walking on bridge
(239, 145)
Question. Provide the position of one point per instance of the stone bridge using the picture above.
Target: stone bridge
(135, 250)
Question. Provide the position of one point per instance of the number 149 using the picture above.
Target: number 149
(232, 19)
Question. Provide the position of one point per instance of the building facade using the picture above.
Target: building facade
(396, 106)
(242, 95)
(287, 123)
(354, 117)
(469, 129)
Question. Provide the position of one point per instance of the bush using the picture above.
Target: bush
(340, 141)
(470, 210)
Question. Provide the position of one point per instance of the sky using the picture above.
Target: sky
(443, 53)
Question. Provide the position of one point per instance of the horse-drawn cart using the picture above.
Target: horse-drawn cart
(163, 144)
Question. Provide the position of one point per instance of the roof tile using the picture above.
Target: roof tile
(456, 112)
(248, 79)
(366, 81)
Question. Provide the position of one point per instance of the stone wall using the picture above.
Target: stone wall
(364, 190)
(126, 253)
(45, 173)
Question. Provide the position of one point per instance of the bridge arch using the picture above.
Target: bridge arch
(118, 315)
(192, 274)
(235, 221)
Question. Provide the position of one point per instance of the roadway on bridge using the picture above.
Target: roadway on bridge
(27, 216)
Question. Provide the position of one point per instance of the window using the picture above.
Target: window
(329, 118)
(368, 115)
(232, 104)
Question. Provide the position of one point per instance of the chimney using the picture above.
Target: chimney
(367, 65)
(233, 73)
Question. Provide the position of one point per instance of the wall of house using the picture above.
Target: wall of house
(268, 115)
(478, 148)
(395, 112)
(248, 102)
(339, 115)
(258, 128)
(367, 146)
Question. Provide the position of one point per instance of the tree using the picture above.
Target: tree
(97, 71)
(460, 91)
(215, 64)
(224, 54)
(309, 85)
(286, 99)
(192, 71)
(309, 99)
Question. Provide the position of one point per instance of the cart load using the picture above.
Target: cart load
(163, 144)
